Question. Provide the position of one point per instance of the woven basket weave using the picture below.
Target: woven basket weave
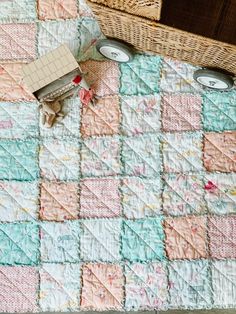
(147, 35)
(146, 8)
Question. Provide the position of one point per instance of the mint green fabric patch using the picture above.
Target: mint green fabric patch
(142, 240)
(18, 160)
(19, 243)
(18, 10)
(219, 111)
(141, 76)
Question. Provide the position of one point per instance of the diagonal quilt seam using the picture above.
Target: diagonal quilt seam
(64, 7)
(223, 192)
(223, 234)
(54, 198)
(223, 275)
(22, 8)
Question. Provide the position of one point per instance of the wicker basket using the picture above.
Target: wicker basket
(146, 8)
(147, 35)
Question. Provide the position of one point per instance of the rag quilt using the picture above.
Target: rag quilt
(129, 204)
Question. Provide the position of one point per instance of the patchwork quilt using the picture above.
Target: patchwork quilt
(126, 205)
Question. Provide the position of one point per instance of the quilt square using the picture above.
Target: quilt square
(141, 155)
(59, 242)
(141, 76)
(18, 41)
(100, 156)
(220, 151)
(59, 159)
(11, 87)
(189, 285)
(177, 76)
(19, 201)
(223, 283)
(183, 194)
(103, 76)
(146, 287)
(59, 287)
(181, 112)
(186, 237)
(101, 119)
(19, 289)
(102, 287)
(141, 197)
(100, 240)
(69, 125)
(18, 10)
(220, 192)
(100, 198)
(59, 201)
(54, 9)
(219, 111)
(182, 152)
(18, 160)
(52, 34)
(222, 236)
(18, 120)
(19, 244)
(142, 240)
(140, 114)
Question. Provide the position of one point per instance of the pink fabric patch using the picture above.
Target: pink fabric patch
(17, 41)
(103, 76)
(18, 289)
(222, 237)
(181, 112)
(57, 9)
(59, 201)
(11, 87)
(100, 198)
(101, 119)
(186, 237)
(102, 287)
(220, 151)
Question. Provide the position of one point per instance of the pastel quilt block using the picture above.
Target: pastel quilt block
(146, 287)
(141, 76)
(52, 34)
(140, 114)
(103, 76)
(59, 201)
(219, 111)
(100, 157)
(222, 237)
(189, 285)
(141, 155)
(182, 152)
(59, 242)
(220, 192)
(18, 10)
(102, 287)
(19, 120)
(101, 119)
(53, 9)
(220, 151)
(18, 41)
(186, 237)
(100, 198)
(19, 244)
(223, 283)
(141, 197)
(183, 194)
(181, 112)
(59, 159)
(69, 126)
(142, 240)
(100, 240)
(177, 76)
(19, 289)
(11, 86)
(18, 160)
(18, 201)
(59, 287)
